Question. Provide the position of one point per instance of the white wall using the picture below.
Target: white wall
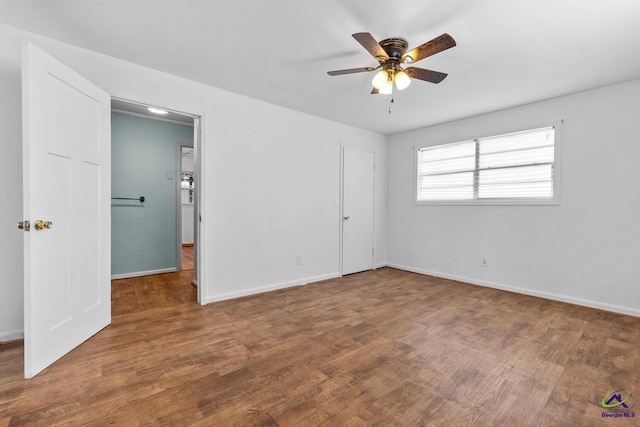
(187, 162)
(268, 181)
(11, 277)
(187, 224)
(275, 176)
(586, 250)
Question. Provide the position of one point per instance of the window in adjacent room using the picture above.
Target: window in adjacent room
(187, 188)
(514, 168)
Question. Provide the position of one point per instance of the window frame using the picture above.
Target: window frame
(532, 201)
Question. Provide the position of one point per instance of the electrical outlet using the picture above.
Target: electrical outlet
(299, 259)
(484, 261)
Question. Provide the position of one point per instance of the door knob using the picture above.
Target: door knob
(346, 217)
(41, 225)
(24, 225)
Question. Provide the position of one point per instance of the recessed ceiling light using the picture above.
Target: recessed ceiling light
(157, 110)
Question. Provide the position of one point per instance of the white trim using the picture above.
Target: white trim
(341, 208)
(146, 104)
(142, 273)
(198, 161)
(525, 291)
(144, 116)
(272, 287)
(178, 184)
(153, 116)
(11, 336)
(489, 202)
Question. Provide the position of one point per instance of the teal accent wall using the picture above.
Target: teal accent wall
(144, 160)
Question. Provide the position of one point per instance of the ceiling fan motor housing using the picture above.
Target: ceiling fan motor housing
(394, 47)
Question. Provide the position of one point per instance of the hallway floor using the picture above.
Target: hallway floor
(187, 257)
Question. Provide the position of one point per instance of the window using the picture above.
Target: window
(186, 188)
(512, 168)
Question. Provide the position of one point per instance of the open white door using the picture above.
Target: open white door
(67, 182)
(357, 208)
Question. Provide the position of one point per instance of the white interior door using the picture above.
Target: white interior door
(358, 184)
(67, 181)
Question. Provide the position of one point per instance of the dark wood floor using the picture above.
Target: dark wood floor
(384, 347)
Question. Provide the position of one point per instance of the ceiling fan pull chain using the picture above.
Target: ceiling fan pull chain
(390, 102)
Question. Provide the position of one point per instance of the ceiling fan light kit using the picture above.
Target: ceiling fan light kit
(387, 88)
(380, 79)
(384, 80)
(402, 80)
(391, 54)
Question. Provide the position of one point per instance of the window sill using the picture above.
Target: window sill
(489, 202)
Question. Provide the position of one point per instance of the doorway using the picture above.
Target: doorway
(67, 176)
(154, 151)
(186, 208)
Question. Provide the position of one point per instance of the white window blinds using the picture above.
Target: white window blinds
(505, 167)
(447, 172)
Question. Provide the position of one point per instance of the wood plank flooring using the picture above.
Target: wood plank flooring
(384, 347)
(187, 256)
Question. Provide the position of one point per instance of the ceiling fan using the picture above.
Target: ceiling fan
(391, 54)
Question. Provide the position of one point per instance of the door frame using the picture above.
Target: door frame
(197, 208)
(197, 142)
(179, 215)
(341, 210)
(179, 205)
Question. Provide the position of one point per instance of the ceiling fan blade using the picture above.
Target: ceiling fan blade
(350, 71)
(373, 47)
(375, 91)
(440, 43)
(426, 75)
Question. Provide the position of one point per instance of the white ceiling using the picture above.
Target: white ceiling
(510, 52)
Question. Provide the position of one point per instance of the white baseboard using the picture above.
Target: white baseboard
(11, 336)
(268, 288)
(143, 273)
(526, 291)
